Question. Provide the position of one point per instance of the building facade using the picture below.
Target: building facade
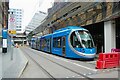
(19, 37)
(35, 21)
(18, 15)
(4, 7)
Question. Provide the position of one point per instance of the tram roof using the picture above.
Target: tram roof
(48, 35)
(69, 28)
(33, 38)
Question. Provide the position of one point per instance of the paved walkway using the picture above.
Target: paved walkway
(0, 64)
(12, 68)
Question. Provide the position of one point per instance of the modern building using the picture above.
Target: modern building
(18, 15)
(19, 38)
(35, 21)
(0, 23)
(4, 6)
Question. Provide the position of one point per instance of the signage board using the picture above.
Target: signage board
(4, 34)
(11, 24)
(12, 31)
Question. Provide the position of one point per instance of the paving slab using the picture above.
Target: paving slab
(0, 63)
(13, 68)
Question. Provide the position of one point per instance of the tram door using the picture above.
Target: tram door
(63, 45)
(50, 44)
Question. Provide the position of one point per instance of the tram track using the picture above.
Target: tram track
(44, 70)
(87, 78)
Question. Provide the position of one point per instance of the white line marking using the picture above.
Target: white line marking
(74, 63)
(46, 54)
(103, 71)
(108, 70)
(84, 74)
(91, 62)
(81, 66)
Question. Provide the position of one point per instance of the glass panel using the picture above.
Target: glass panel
(57, 42)
(86, 39)
(48, 44)
(74, 41)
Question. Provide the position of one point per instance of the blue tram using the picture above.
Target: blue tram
(33, 43)
(45, 43)
(71, 42)
(38, 43)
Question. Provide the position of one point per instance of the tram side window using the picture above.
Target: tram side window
(38, 42)
(57, 42)
(48, 42)
(45, 43)
(74, 41)
(54, 42)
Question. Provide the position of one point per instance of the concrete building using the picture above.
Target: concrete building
(35, 21)
(0, 17)
(4, 6)
(19, 38)
(0, 23)
(18, 15)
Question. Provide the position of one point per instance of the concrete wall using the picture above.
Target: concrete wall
(0, 23)
(4, 6)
